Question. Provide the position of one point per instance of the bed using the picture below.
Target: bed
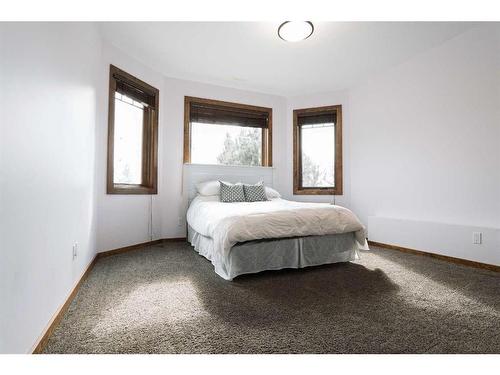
(249, 237)
(214, 228)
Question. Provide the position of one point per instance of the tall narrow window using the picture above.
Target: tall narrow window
(218, 132)
(317, 150)
(132, 135)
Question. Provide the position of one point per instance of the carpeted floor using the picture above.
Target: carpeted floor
(167, 299)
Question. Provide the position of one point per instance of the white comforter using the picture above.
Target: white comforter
(230, 223)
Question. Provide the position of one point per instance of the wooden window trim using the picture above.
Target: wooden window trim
(267, 132)
(150, 139)
(297, 167)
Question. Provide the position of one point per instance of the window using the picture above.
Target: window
(218, 132)
(132, 135)
(317, 150)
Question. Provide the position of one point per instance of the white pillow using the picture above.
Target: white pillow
(208, 188)
(271, 193)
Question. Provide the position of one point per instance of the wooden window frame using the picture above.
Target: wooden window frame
(149, 183)
(298, 189)
(267, 133)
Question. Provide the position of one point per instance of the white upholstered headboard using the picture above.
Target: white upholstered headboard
(196, 173)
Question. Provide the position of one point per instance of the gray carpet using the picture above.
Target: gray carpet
(167, 299)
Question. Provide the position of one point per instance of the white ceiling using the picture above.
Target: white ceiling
(249, 55)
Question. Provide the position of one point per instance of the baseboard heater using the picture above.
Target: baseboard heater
(452, 242)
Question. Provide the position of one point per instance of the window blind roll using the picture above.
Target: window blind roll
(316, 118)
(212, 114)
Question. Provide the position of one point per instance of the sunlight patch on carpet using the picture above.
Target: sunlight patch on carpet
(153, 305)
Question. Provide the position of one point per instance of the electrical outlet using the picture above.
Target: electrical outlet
(180, 221)
(75, 250)
(477, 238)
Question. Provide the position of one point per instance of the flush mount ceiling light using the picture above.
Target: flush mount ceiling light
(294, 31)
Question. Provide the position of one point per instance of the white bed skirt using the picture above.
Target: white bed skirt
(275, 254)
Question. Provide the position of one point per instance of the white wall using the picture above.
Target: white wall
(425, 144)
(47, 154)
(123, 219)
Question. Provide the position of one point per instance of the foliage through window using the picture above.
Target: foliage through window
(318, 150)
(132, 135)
(225, 133)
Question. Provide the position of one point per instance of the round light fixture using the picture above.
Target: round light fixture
(294, 31)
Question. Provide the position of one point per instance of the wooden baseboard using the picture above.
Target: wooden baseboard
(40, 345)
(42, 342)
(174, 239)
(138, 246)
(125, 249)
(461, 261)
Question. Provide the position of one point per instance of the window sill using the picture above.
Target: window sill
(131, 189)
(227, 166)
(317, 191)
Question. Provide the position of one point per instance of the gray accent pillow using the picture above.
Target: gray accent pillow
(231, 193)
(255, 193)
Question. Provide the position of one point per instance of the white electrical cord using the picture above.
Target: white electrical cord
(333, 200)
(151, 218)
